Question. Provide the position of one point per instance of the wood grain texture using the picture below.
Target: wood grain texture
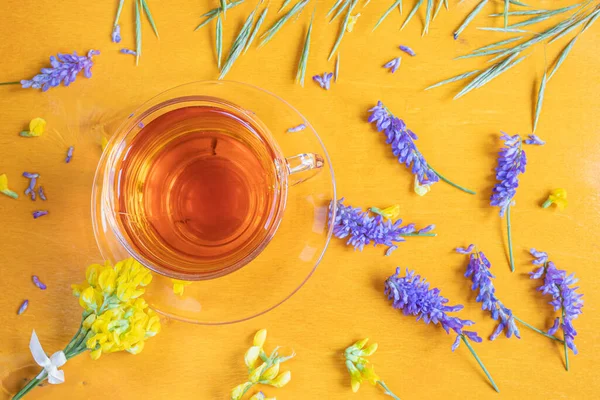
(343, 301)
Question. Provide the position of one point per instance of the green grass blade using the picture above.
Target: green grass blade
(332, 9)
(518, 3)
(224, 8)
(506, 4)
(268, 35)
(259, 22)
(238, 45)
(498, 44)
(284, 5)
(575, 25)
(336, 72)
(480, 53)
(304, 58)
(508, 30)
(590, 22)
(212, 14)
(543, 17)
(399, 7)
(486, 76)
(219, 40)
(412, 13)
(150, 19)
(428, 12)
(454, 79)
(340, 10)
(119, 9)
(342, 30)
(562, 57)
(540, 100)
(446, 5)
(138, 32)
(470, 18)
(386, 13)
(520, 13)
(438, 8)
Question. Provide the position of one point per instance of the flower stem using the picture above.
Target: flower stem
(547, 203)
(508, 230)
(387, 390)
(533, 328)
(442, 177)
(9, 83)
(480, 363)
(419, 234)
(565, 343)
(30, 385)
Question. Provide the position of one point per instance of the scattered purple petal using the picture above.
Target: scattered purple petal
(141, 125)
(129, 51)
(23, 307)
(534, 139)
(324, 81)
(427, 229)
(393, 64)
(32, 182)
(30, 175)
(407, 50)
(38, 283)
(390, 250)
(465, 250)
(298, 128)
(41, 193)
(116, 34)
(39, 213)
(554, 327)
(65, 68)
(69, 154)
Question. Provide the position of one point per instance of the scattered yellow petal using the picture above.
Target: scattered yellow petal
(4, 187)
(251, 356)
(37, 127)
(260, 337)
(239, 390)
(103, 143)
(391, 212)
(281, 380)
(421, 190)
(355, 383)
(179, 286)
(558, 197)
(270, 372)
(351, 22)
(370, 350)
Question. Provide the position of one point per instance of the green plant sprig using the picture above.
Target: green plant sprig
(238, 45)
(268, 35)
(305, 50)
(212, 14)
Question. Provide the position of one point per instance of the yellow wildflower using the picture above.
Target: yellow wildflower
(391, 212)
(351, 22)
(360, 368)
(267, 370)
(421, 190)
(558, 197)
(4, 187)
(37, 127)
(179, 286)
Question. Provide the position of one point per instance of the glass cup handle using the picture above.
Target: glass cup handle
(303, 166)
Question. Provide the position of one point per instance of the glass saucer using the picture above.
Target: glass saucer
(291, 256)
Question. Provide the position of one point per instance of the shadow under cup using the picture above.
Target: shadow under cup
(195, 186)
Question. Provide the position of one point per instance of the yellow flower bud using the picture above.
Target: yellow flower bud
(421, 190)
(270, 372)
(4, 187)
(361, 343)
(372, 348)
(351, 22)
(281, 380)
(239, 390)
(257, 373)
(107, 280)
(95, 354)
(37, 127)
(90, 300)
(260, 337)
(251, 356)
(88, 321)
(91, 274)
(369, 374)
(558, 197)
(136, 348)
(355, 384)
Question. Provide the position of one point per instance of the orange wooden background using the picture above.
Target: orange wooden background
(343, 301)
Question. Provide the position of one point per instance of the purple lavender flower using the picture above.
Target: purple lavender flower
(128, 51)
(30, 191)
(402, 141)
(39, 213)
(69, 154)
(298, 128)
(23, 307)
(478, 270)
(362, 229)
(38, 283)
(534, 139)
(324, 80)
(412, 295)
(564, 297)
(141, 125)
(511, 163)
(407, 50)
(65, 68)
(30, 175)
(116, 34)
(393, 64)
(41, 193)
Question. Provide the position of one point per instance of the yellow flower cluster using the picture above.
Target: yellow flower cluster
(262, 369)
(115, 315)
(4, 187)
(361, 369)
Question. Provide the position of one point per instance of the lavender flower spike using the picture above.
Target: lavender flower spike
(39, 213)
(564, 298)
(41, 193)
(116, 34)
(324, 80)
(23, 307)
(407, 50)
(39, 284)
(69, 154)
(128, 51)
(297, 128)
(511, 163)
(362, 229)
(65, 68)
(393, 65)
(412, 295)
(402, 141)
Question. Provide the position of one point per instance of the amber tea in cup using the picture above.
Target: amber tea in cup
(200, 189)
